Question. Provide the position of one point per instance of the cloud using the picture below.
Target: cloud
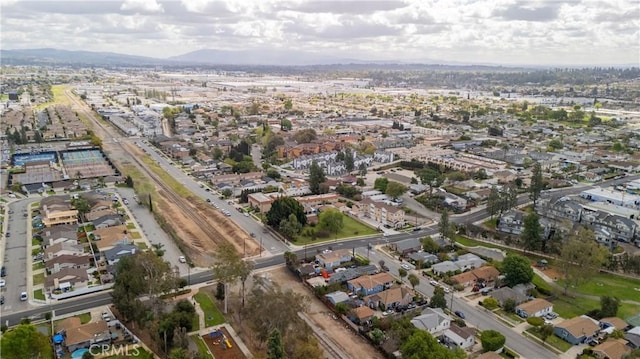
(143, 5)
(344, 6)
(528, 13)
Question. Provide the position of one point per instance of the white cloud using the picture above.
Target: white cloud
(143, 5)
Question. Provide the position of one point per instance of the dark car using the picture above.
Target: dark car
(1, 299)
(3, 272)
(209, 200)
(460, 314)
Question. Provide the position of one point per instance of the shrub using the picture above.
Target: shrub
(490, 303)
(492, 340)
(535, 321)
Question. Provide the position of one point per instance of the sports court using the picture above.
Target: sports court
(86, 164)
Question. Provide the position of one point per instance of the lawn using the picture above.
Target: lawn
(351, 228)
(540, 283)
(38, 278)
(552, 340)
(167, 178)
(39, 265)
(202, 347)
(613, 286)
(37, 294)
(59, 98)
(135, 235)
(142, 245)
(212, 316)
(131, 225)
(84, 317)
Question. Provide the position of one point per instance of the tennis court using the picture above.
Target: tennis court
(22, 159)
(86, 164)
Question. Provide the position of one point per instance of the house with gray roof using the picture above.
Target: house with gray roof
(109, 220)
(337, 297)
(433, 320)
(505, 293)
(423, 257)
(406, 246)
(113, 255)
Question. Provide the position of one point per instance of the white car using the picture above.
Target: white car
(433, 283)
(182, 259)
(2, 283)
(405, 266)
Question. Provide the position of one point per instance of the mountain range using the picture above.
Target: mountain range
(200, 57)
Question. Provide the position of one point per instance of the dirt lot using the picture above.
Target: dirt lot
(219, 350)
(351, 343)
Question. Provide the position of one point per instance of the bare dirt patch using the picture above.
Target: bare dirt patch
(553, 273)
(351, 343)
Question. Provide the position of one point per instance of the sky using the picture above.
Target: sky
(506, 32)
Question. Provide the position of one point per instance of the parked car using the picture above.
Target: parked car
(182, 259)
(1, 299)
(106, 317)
(405, 266)
(459, 314)
(24, 296)
(2, 283)
(433, 283)
(3, 271)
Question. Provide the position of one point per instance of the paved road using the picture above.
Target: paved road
(17, 255)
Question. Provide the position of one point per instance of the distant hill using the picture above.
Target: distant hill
(262, 57)
(56, 56)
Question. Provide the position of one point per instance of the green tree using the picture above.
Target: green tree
(422, 345)
(537, 183)
(332, 220)
(531, 235)
(429, 245)
(545, 332)
(286, 125)
(305, 136)
(509, 305)
(581, 258)
(516, 270)
(226, 193)
(288, 104)
(275, 347)
(316, 177)
(608, 307)
(493, 201)
(348, 159)
(413, 280)
(444, 227)
(395, 189)
(290, 258)
(377, 336)
(229, 267)
(282, 208)
(402, 273)
(362, 170)
(82, 206)
(490, 303)
(290, 227)
(492, 340)
(438, 300)
(381, 184)
(25, 342)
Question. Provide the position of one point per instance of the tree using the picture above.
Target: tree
(220, 292)
(286, 125)
(25, 342)
(316, 177)
(545, 332)
(362, 170)
(269, 309)
(381, 184)
(438, 300)
(493, 201)
(82, 205)
(332, 220)
(282, 208)
(290, 258)
(516, 270)
(581, 257)
(422, 345)
(275, 348)
(429, 245)
(226, 193)
(492, 340)
(395, 189)
(290, 227)
(305, 136)
(377, 336)
(413, 280)
(531, 235)
(509, 305)
(537, 183)
(128, 181)
(227, 265)
(402, 273)
(444, 227)
(348, 160)
(608, 307)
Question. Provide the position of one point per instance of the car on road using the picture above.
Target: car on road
(246, 214)
(182, 259)
(2, 283)
(446, 289)
(24, 296)
(1, 299)
(433, 283)
(405, 266)
(459, 314)
(3, 271)
(209, 200)
(8, 235)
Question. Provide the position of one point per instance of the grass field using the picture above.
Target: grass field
(552, 340)
(135, 235)
(202, 347)
(350, 229)
(39, 265)
(613, 286)
(59, 98)
(131, 225)
(569, 307)
(212, 316)
(37, 294)
(38, 278)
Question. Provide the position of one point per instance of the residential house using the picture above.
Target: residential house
(433, 320)
(632, 336)
(484, 274)
(577, 330)
(64, 248)
(537, 307)
(371, 284)
(63, 233)
(469, 261)
(385, 214)
(611, 349)
(460, 337)
(86, 335)
(444, 268)
(260, 201)
(511, 222)
(106, 238)
(66, 279)
(505, 293)
(113, 255)
(337, 297)
(352, 273)
(110, 220)
(56, 210)
(560, 208)
(390, 298)
(61, 262)
(406, 246)
(613, 322)
(361, 315)
(423, 258)
(330, 259)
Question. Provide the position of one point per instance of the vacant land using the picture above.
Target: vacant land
(351, 228)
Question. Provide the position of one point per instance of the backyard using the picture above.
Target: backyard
(350, 228)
